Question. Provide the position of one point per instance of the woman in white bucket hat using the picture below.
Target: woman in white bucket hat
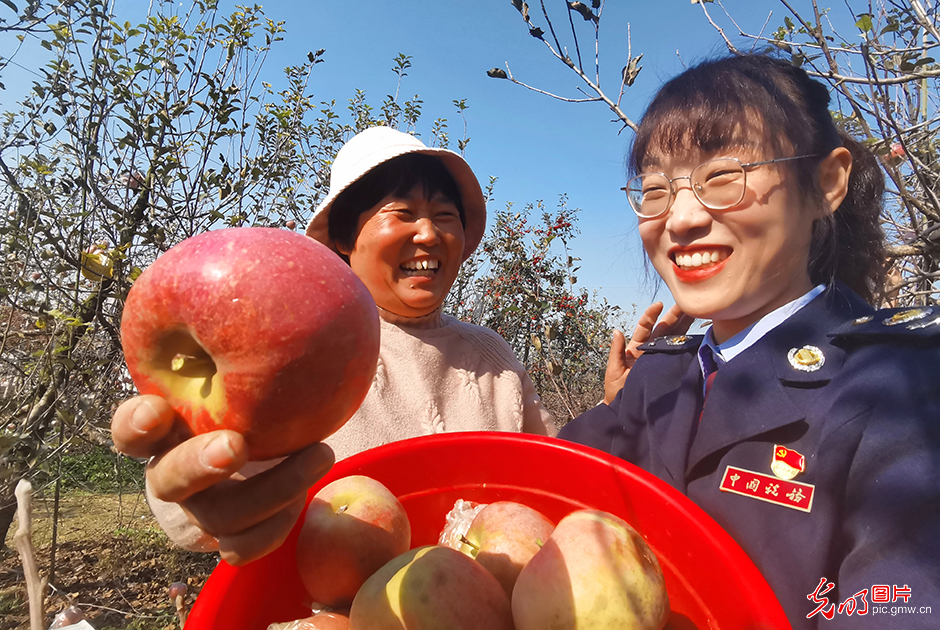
(404, 216)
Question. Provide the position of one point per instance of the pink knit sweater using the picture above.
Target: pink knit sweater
(435, 374)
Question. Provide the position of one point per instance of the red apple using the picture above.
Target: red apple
(352, 527)
(504, 536)
(594, 571)
(320, 621)
(431, 588)
(257, 330)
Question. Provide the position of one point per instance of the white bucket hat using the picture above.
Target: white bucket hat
(377, 145)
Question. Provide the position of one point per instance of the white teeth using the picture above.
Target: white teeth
(699, 259)
(421, 265)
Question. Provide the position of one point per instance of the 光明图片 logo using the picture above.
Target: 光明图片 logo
(858, 604)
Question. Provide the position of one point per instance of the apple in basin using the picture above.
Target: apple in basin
(352, 527)
(319, 621)
(258, 330)
(431, 588)
(504, 536)
(594, 571)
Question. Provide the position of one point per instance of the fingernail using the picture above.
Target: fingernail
(218, 453)
(145, 417)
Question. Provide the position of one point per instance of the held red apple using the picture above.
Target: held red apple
(258, 330)
(352, 527)
(504, 536)
(431, 588)
(595, 571)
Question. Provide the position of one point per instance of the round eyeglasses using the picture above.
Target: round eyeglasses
(718, 184)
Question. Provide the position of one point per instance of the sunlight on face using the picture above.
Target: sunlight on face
(732, 266)
(408, 252)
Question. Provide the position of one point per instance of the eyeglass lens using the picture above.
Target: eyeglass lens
(718, 184)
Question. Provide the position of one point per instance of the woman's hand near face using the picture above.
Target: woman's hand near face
(249, 517)
(623, 355)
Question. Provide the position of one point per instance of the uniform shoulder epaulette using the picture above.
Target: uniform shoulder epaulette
(673, 344)
(893, 323)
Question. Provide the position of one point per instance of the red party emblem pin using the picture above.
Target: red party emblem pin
(787, 463)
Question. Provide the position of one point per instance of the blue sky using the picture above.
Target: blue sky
(538, 147)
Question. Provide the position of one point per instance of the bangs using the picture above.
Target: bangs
(398, 177)
(405, 173)
(731, 102)
(684, 131)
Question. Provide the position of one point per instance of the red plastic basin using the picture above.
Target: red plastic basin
(711, 581)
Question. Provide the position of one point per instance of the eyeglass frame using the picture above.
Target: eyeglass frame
(673, 191)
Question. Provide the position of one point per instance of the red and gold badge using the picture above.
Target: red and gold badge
(748, 483)
(787, 463)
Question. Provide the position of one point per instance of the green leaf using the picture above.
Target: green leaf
(892, 27)
(864, 22)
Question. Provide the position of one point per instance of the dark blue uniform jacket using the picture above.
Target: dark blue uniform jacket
(867, 423)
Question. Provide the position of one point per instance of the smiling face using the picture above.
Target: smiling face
(408, 251)
(732, 266)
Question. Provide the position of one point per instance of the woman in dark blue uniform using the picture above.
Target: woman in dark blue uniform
(805, 421)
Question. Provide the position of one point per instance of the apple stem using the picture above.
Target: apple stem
(192, 363)
(464, 540)
(342, 509)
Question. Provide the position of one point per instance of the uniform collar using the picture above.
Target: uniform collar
(746, 400)
(712, 355)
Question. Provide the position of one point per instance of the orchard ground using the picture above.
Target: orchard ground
(112, 560)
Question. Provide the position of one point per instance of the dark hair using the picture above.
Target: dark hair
(758, 101)
(397, 176)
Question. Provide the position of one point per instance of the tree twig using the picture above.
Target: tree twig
(721, 32)
(560, 98)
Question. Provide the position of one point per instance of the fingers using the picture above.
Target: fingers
(239, 507)
(644, 330)
(615, 359)
(674, 322)
(618, 366)
(263, 538)
(196, 464)
(143, 426)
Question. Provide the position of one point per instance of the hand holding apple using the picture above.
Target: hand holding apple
(250, 518)
(257, 330)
